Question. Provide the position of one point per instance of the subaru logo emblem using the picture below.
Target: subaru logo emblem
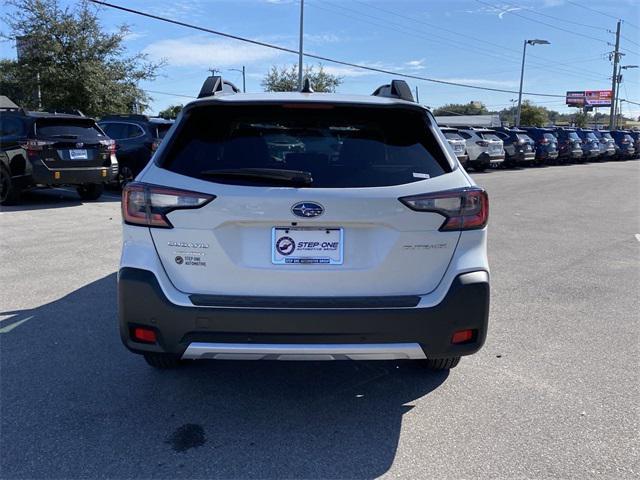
(307, 209)
(79, 145)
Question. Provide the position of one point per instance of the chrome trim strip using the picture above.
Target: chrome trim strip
(285, 351)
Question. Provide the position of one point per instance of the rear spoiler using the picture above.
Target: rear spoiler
(396, 89)
(216, 85)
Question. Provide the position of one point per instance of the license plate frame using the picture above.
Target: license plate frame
(78, 154)
(318, 254)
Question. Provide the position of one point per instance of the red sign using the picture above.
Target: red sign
(593, 98)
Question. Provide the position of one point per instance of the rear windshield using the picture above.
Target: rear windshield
(573, 135)
(489, 136)
(68, 130)
(524, 136)
(452, 136)
(590, 135)
(607, 135)
(340, 146)
(550, 136)
(162, 130)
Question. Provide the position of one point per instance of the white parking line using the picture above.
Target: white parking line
(8, 328)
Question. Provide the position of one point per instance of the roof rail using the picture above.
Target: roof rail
(215, 85)
(397, 89)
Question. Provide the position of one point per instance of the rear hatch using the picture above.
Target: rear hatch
(495, 144)
(70, 143)
(457, 142)
(345, 233)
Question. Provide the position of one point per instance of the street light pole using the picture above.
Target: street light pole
(244, 77)
(524, 53)
(300, 47)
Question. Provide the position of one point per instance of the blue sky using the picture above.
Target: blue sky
(477, 42)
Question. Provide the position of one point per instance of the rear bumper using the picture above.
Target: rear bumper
(43, 175)
(303, 333)
(486, 158)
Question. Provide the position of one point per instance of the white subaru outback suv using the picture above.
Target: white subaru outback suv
(364, 240)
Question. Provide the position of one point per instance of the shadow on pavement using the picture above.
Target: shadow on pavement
(75, 403)
(44, 198)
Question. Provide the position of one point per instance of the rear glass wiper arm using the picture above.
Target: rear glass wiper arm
(294, 177)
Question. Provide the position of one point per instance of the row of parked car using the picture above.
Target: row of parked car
(481, 148)
(50, 149)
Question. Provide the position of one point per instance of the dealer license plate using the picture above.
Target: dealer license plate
(78, 154)
(307, 245)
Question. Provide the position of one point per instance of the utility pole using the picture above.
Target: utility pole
(213, 71)
(417, 96)
(614, 79)
(300, 48)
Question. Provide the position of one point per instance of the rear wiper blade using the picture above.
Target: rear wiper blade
(63, 136)
(293, 177)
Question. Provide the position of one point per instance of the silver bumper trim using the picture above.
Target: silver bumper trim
(266, 351)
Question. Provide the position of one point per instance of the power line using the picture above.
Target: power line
(564, 20)
(630, 41)
(592, 9)
(545, 23)
(168, 93)
(516, 55)
(430, 36)
(316, 57)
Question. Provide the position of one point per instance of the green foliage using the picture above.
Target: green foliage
(285, 79)
(170, 112)
(533, 116)
(580, 119)
(80, 65)
(471, 108)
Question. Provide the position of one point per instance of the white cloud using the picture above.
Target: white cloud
(415, 64)
(507, 10)
(322, 38)
(482, 82)
(198, 51)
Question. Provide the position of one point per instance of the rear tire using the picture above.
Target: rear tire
(162, 361)
(9, 194)
(441, 363)
(90, 191)
(125, 175)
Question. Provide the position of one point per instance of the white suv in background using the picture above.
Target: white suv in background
(484, 148)
(365, 240)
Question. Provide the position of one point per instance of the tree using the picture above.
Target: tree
(580, 119)
(80, 65)
(285, 79)
(170, 112)
(471, 108)
(533, 116)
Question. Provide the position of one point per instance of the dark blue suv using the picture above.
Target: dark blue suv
(590, 144)
(137, 138)
(546, 144)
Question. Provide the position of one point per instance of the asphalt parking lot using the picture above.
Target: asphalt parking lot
(553, 394)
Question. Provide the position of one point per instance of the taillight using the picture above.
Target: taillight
(148, 205)
(35, 146)
(543, 141)
(109, 144)
(482, 143)
(464, 209)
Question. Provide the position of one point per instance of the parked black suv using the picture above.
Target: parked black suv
(625, 148)
(51, 149)
(635, 134)
(546, 144)
(590, 144)
(519, 147)
(569, 144)
(137, 137)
